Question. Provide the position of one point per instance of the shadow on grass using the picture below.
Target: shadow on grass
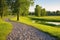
(41, 19)
(53, 25)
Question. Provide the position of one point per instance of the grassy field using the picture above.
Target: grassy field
(5, 29)
(48, 18)
(54, 31)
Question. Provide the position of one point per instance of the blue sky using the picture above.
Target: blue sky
(49, 5)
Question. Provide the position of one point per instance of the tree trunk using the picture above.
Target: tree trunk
(2, 13)
(18, 16)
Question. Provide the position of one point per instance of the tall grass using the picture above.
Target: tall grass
(5, 29)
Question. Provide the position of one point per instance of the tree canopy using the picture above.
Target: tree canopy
(38, 10)
(18, 7)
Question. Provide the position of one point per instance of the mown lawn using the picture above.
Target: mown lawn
(5, 29)
(48, 18)
(54, 31)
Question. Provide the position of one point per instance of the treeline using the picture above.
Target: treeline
(53, 13)
(39, 11)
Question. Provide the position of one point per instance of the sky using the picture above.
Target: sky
(49, 5)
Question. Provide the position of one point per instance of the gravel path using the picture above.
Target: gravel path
(24, 32)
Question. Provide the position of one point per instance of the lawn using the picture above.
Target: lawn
(48, 18)
(54, 31)
(5, 29)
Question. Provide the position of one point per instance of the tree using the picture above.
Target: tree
(54, 13)
(43, 12)
(3, 7)
(38, 10)
(58, 12)
(20, 7)
(25, 4)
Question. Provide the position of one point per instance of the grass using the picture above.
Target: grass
(54, 31)
(48, 18)
(5, 29)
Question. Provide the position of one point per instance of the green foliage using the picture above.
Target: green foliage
(15, 6)
(3, 8)
(20, 7)
(53, 13)
(58, 12)
(38, 10)
(43, 12)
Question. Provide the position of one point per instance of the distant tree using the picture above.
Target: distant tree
(54, 13)
(48, 13)
(58, 12)
(38, 10)
(43, 12)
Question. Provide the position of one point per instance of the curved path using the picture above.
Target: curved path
(24, 32)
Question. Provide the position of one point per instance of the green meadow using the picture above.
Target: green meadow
(5, 29)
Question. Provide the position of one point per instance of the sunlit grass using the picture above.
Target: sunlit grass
(55, 31)
(47, 18)
(5, 29)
